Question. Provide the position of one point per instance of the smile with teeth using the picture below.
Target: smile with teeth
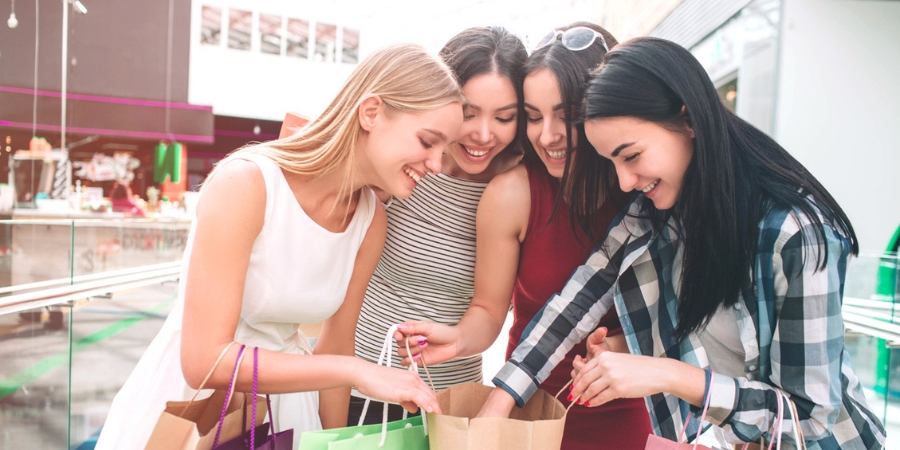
(475, 153)
(650, 187)
(412, 174)
(561, 154)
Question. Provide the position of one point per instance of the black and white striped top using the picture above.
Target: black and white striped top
(426, 272)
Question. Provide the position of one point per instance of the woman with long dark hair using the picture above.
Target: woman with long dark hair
(727, 270)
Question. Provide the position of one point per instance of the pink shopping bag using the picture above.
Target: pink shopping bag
(655, 442)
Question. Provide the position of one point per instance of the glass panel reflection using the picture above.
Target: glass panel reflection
(109, 336)
(871, 302)
(34, 380)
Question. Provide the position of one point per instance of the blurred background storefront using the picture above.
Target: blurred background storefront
(148, 96)
(817, 75)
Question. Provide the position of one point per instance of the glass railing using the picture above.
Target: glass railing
(872, 318)
(41, 253)
(62, 364)
(110, 286)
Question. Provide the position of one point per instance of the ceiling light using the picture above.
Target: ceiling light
(12, 22)
(79, 6)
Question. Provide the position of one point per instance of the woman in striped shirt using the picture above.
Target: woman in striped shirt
(426, 271)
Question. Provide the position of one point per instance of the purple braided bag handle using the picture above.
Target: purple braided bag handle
(253, 410)
(253, 399)
(268, 402)
(237, 365)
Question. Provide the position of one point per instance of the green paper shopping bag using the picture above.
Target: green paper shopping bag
(400, 435)
(407, 434)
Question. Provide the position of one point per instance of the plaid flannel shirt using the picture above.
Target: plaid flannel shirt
(789, 322)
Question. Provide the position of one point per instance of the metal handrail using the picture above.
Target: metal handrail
(88, 286)
(875, 318)
(82, 278)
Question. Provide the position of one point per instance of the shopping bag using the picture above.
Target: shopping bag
(257, 438)
(536, 426)
(401, 434)
(778, 427)
(655, 442)
(406, 434)
(189, 425)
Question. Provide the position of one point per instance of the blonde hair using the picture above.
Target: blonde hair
(407, 79)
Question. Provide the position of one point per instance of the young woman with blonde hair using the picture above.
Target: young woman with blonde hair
(288, 232)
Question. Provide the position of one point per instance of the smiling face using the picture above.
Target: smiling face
(648, 157)
(547, 125)
(489, 125)
(400, 148)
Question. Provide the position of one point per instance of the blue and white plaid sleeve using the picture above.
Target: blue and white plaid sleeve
(801, 305)
(570, 316)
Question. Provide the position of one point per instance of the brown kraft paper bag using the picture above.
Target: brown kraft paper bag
(191, 425)
(195, 429)
(537, 426)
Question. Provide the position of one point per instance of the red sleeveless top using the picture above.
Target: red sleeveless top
(549, 254)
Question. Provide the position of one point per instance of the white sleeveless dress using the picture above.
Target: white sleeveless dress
(298, 273)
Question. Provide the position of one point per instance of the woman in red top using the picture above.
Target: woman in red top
(526, 246)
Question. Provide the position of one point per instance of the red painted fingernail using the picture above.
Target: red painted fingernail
(587, 403)
(421, 339)
(569, 398)
(571, 386)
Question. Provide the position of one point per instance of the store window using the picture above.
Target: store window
(211, 27)
(728, 94)
(297, 38)
(270, 34)
(350, 49)
(326, 43)
(240, 24)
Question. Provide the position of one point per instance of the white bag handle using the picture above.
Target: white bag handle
(385, 354)
(778, 427)
(683, 434)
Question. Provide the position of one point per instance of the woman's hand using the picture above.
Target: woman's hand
(611, 375)
(599, 342)
(434, 342)
(498, 404)
(395, 385)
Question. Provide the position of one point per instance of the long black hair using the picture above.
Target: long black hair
(735, 175)
(483, 50)
(572, 70)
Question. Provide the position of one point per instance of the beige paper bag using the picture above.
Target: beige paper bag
(195, 429)
(537, 426)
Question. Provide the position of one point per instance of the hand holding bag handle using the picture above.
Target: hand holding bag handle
(385, 352)
(574, 400)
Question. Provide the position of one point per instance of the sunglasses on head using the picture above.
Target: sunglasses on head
(574, 39)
